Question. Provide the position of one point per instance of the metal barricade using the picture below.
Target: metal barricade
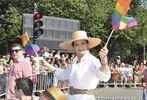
(3, 82)
(44, 80)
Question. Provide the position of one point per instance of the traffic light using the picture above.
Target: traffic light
(38, 23)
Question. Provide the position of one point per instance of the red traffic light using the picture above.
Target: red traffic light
(38, 16)
(38, 23)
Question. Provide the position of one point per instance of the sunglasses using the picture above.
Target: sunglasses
(16, 51)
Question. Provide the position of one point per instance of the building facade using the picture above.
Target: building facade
(55, 29)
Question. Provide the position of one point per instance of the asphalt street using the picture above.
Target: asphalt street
(110, 93)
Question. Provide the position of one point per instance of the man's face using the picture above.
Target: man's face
(16, 52)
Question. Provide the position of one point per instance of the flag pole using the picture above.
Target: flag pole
(109, 37)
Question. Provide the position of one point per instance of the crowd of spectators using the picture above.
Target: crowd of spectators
(123, 74)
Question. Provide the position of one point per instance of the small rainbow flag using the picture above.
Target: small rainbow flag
(127, 22)
(118, 19)
(28, 47)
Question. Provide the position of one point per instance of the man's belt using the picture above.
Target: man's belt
(73, 91)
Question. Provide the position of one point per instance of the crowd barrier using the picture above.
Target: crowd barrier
(3, 83)
(43, 80)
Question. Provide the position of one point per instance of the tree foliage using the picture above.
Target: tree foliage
(95, 17)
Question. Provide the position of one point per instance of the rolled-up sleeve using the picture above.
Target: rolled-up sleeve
(62, 74)
(96, 69)
(102, 76)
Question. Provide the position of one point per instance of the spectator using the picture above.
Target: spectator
(18, 68)
(129, 74)
(136, 75)
(45, 55)
(115, 75)
(123, 74)
(57, 55)
(118, 61)
(24, 89)
(2, 67)
(6, 59)
(56, 65)
(141, 71)
(72, 57)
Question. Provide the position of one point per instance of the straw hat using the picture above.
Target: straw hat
(53, 93)
(80, 35)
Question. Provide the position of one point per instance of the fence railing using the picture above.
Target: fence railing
(43, 80)
(3, 83)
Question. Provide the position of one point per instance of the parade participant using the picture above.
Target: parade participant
(86, 70)
(18, 68)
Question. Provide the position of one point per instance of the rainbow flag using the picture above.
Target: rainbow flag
(28, 47)
(127, 22)
(122, 6)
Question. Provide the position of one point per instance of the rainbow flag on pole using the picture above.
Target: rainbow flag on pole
(127, 22)
(28, 46)
(119, 21)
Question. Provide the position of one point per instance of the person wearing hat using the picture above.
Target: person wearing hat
(85, 72)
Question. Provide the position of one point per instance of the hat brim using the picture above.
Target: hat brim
(41, 92)
(53, 93)
(92, 42)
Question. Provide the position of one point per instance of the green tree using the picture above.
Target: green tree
(95, 17)
(12, 29)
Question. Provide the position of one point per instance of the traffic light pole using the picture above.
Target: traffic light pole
(37, 23)
(34, 10)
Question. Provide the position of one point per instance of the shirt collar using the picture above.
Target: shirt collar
(83, 58)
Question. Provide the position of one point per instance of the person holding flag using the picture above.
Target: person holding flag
(85, 72)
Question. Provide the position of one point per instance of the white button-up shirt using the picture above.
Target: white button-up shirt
(83, 75)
